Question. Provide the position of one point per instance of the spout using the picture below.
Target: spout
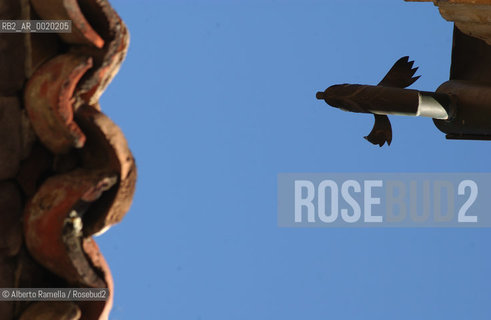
(434, 105)
(383, 100)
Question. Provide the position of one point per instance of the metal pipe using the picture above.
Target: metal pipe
(383, 100)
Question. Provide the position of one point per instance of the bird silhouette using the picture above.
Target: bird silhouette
(364, 99)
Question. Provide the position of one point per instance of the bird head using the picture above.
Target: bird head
(341, 96)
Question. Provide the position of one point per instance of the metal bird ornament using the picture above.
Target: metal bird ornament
(460, 107)
(375, 99)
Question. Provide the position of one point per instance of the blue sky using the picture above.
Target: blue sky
(218, 97)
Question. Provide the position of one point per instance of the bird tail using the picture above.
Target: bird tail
(381, 131)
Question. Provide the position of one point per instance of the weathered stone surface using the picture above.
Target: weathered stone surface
(472, 17)
(10, 137)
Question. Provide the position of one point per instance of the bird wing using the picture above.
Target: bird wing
(401, 75)
(471, 58)
(381, 131)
